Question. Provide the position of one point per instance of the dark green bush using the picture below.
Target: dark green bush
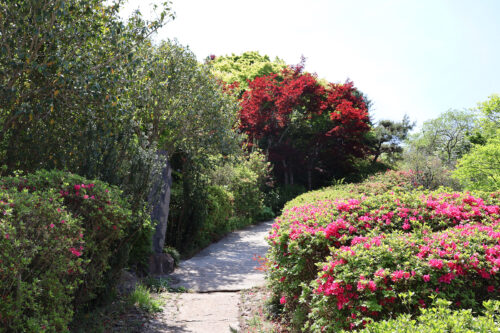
(105, 217)
(279, 196)
(40, 260)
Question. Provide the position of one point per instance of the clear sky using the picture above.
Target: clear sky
(419, 57)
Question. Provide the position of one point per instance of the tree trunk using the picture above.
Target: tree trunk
(309, 177)
(285, 172)
(162, 206)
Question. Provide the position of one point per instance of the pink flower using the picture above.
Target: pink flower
(372, 285)
(77, 187)
(447, 278)
(7, 236)
(426, 278)
(52, 225)
(422, 303)
(75, 252)
(282, 300)
(85, 196)
(380, 272)
(361, 286)
(62, 221)
(491, 289)
(436, 263)
(397, 275)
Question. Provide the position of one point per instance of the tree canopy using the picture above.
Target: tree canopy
(303, 125)
(244, 68)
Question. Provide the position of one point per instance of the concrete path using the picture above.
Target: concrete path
(214, 276)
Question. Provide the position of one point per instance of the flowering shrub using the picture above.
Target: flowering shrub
(40, 261)
(376, 184)
(306, 235)
(102, 213)
(379, 276)
(440, 318)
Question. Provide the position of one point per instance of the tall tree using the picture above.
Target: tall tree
(64, 68)
(187, 112)
(479, 169)
(301, 123)
(388, 136)
(446, 136)
(244, 68)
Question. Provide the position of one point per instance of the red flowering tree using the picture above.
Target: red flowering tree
(303, 124)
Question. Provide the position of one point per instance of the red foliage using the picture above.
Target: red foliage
(294, 117)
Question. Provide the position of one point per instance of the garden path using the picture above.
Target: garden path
(215, 275)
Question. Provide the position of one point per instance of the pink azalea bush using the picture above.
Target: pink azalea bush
(99, 219)
(39, 271)
(305, 235)
(380, 276)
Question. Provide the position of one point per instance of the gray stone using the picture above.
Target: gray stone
(127, 282)
(161, 263)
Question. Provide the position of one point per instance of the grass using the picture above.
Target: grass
(125, 313)
(160, 285)
(141, 297)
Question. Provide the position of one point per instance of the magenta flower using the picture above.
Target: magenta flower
(426, 278)
(282, 300)
(52, 225)
(436, 263)
(75, 252)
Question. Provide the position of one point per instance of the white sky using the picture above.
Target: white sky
(420, 57)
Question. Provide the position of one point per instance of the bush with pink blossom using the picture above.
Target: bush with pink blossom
(304, 236)
(77, 227)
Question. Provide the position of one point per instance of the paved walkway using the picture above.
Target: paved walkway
(215, 275)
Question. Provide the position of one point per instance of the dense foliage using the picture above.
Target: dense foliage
(343, 257)
(458, 149)
(303, 125)
(238, 70)
(480, 168)
(64, 240)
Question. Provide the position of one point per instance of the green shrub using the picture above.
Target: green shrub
(105, 217)
(440, 318)
(265, 214)
(219, 206)
(248, 198)
(40, 260)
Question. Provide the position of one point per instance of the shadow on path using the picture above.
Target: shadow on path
(228, 264)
